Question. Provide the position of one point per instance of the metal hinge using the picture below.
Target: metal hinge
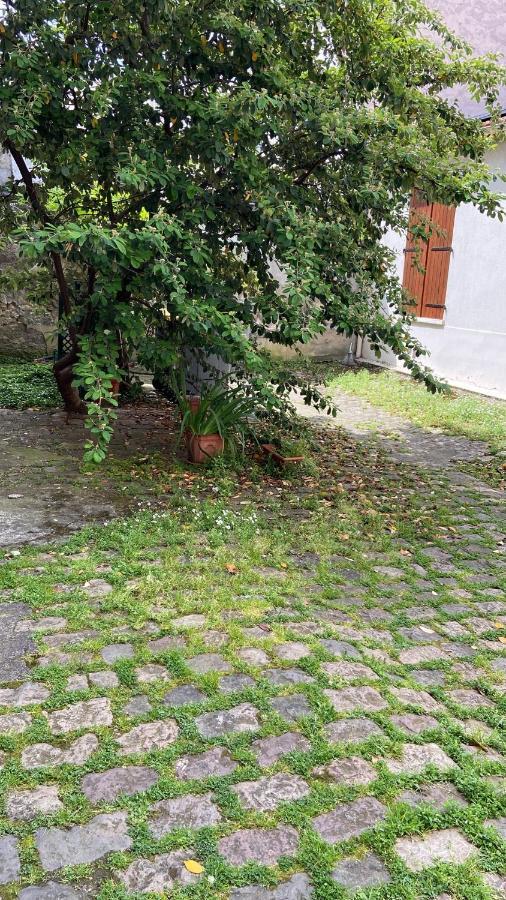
(434, 305)
(441, 249)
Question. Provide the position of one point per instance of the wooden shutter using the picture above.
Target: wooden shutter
(439, 251)
(415, 254)
(427, 288)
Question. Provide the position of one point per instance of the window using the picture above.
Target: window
(427, 263)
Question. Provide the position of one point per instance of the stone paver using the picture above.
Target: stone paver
(75, 754)
(355, 874)
(296, 888)
(499, 825)
(410, 723)
(159, 874)
(208, 662)
(26, 805)
(470, 698)
(351, 731)
(84, 714)
(186, 623)
(354, 771)
(349, 820)
(189, 811)
(51, 890)
(292, 708)
(217, 761)
(253, 656)
(416, 757)
(239, 719)
(116, 652)
(104, 834)
(497, 884)
(100, 787)
(29, 694)
(10, 865)
(229, 684)
(260, 845)
(151, 736)
(409, 697)
(266, 794)
(292, 651)
(436, 795)
(287, 677)
(15, 723)
(340, 648)
(352, 698)
(16, 644)
(269, 750)
(449, 846)
(184, 695)
(151, 673)
(348, 671)
(416, 655)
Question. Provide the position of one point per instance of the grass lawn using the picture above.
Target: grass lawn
(354, 605)
(476, 417)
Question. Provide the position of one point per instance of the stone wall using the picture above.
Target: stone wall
(329, 345)
(26, 330)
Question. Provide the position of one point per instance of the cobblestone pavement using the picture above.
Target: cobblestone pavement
(310, 728)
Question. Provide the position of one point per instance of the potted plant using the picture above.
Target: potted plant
(220, 417)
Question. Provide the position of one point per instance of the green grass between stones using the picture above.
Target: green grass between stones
(239, 557)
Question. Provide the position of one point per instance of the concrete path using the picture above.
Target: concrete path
(44, 493)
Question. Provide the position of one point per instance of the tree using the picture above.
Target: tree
(170, 150)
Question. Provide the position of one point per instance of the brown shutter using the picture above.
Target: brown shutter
(439, 252)
(415, 255)
(427, 288)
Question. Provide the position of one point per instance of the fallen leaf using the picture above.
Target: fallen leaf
(230, 567)
(502, 640)
(193, 866)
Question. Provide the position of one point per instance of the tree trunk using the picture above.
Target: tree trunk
(63, 371)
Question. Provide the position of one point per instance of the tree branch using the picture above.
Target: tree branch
(38, 208)
(314, 165)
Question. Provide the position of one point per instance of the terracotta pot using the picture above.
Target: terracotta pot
(273, 452)
(202, 447)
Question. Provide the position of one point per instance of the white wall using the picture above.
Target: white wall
(5, 167)
(469, 347)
